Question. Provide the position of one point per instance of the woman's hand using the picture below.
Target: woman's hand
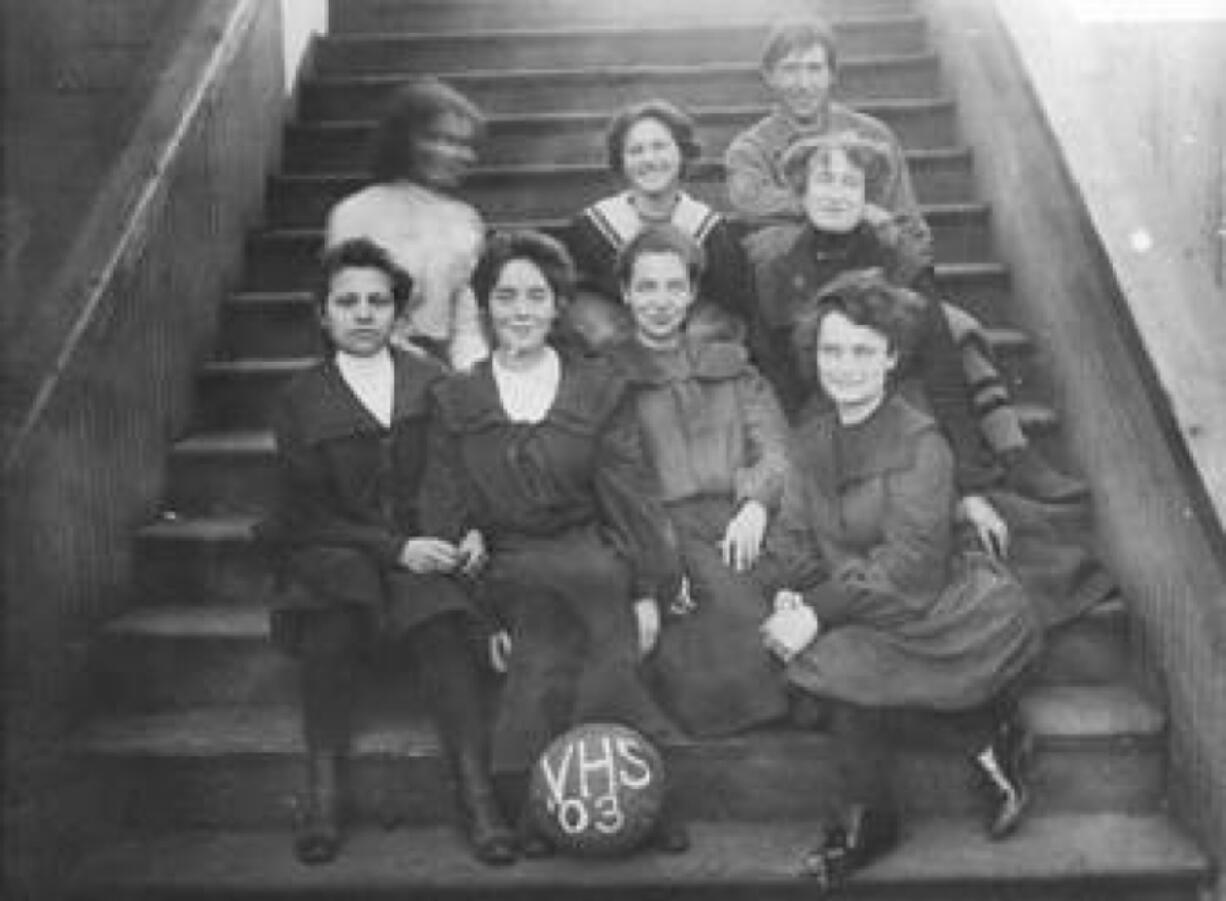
(472, 553)
(791, 628)
(429, 555)
(742, 541)
(992, 531)
(647, 616)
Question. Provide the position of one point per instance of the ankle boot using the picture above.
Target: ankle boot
(317, 835)
(866, 834)
(1002, 767)
(1027, 473)
(670, 835)
(492, 841)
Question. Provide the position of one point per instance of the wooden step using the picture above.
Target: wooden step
(1099, 749)
(392, 16)
(179, 656)
(1089, 857)
(555, 90)
(551, 190)
(342, 146)
(606, 46)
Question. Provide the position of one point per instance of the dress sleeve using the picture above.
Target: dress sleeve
(634, 518)
(792, 557)
(308, 510)
(468, 342)
(911, 562)
(444, 504)
(595, 258)
(753, 189)
(727, 281)
(766, 435)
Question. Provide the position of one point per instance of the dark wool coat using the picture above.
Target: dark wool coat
(349, 496)
(575, 534)
(716, 438)
(867, 533)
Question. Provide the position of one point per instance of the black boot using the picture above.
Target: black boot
(867, 834)
(511, 790)
(670, 835)
(317, 834)
(1002, 767)
(492, 841)
(1027, 473)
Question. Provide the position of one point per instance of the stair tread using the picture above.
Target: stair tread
(637, 70)
(599, 118)
(841, 23)
(519, 170)
(934, 851)
(1056, 713)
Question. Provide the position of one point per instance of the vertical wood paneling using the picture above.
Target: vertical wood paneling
(91, 469)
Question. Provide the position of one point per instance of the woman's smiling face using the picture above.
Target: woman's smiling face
(834, 192)
(522, 307)
(651, 159)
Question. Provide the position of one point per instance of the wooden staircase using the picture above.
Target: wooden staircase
(195, 743)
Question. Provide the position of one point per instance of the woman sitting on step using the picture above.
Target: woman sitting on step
(537, 451)
(351, 438)
(877, 608)
(717, 440)
(1046, 541)
(650, 145)
(423, 148)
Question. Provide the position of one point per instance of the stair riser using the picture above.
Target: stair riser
(619, 48)
(604, 89)
(346, 148)
(147, 674)
(392, 16)
(787, 781)
(541, 194)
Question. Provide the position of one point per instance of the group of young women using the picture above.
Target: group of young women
(578, 449)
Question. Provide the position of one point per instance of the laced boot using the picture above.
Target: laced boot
(867, 834)
(492, 841)
(317, 835)
(1002, 766)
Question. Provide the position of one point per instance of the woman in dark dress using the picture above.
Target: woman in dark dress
(650, 145)
(717, 440)
(877, 607)
(538, 452)
(351, 438)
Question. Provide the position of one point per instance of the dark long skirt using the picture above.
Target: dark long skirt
(322, 578)
(574, 658)
(1051, 554)
(711, 669)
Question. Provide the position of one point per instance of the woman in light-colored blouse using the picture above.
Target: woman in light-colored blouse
(423, 148)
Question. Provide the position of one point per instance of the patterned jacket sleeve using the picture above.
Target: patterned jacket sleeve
(754, 190)
(308, 512)
(766, 434)
(635, 520)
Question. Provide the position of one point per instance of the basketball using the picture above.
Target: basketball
(597, 790)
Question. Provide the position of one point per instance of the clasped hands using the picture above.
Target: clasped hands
(426, 555)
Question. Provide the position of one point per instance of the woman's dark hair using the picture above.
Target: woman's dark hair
(362, 253)
(663, 238)
(672, 117)
(789, 36)
(869, 299)
(538, 248)
(411, 111)
(870, 157)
